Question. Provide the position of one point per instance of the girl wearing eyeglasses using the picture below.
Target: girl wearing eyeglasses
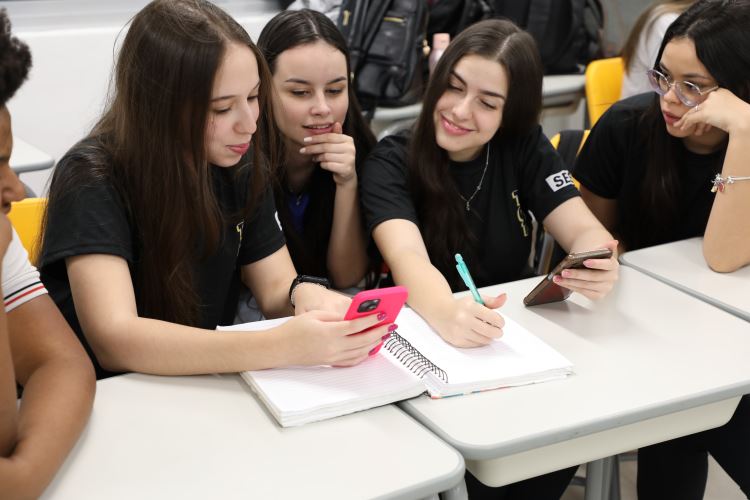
(675, 164)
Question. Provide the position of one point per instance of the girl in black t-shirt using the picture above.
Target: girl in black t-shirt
(324, 138)
(464, 180)
(647, 171)
(155, 217)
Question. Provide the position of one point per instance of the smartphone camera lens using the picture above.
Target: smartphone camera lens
(368, 305)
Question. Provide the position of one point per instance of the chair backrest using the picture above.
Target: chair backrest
(26, 217)
(603, 86)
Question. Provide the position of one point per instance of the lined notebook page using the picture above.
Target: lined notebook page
(516, 354)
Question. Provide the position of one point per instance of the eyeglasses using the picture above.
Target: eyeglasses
(688, 93)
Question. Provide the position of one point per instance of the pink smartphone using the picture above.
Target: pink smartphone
(385, 301)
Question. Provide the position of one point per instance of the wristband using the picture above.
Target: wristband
(303, 278)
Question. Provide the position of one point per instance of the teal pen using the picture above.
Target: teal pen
(464, 272)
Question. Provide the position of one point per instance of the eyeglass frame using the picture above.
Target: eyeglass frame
(654, 75)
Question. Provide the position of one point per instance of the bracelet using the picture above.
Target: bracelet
(306, 279)
(720, 183)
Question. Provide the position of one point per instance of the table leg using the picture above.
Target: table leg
(458, 492)
(598, 479)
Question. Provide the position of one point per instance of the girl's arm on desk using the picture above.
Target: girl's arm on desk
(122, 341)
(462, 322)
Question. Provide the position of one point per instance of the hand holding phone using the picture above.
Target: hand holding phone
(548, 291)
(385, 302)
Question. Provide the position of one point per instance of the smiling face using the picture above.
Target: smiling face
(311, 91)
(233, 111)
(679, 62)
(470, 111)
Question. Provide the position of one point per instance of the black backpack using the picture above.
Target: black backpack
(388, 46)
(452, 16)
(568, 32)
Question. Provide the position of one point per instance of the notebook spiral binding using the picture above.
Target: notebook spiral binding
(412, 359)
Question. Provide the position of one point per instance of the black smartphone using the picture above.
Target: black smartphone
(548, 291)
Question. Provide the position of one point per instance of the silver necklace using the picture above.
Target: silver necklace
(479, 186)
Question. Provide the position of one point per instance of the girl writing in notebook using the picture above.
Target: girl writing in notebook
(464, 180)
(323, 140)
(158, 213)
(672, 165)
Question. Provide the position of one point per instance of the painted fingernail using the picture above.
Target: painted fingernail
(385, 337)
(565, 274)
(557, 279)
(381, 316)
(392, 328)
(307, 139)
(302, 150)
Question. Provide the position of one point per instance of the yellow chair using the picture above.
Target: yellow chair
(26, 217)
(603, 86)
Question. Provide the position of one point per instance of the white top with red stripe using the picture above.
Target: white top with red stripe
(21, 281)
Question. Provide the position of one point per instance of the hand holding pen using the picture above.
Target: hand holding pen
(471, 322)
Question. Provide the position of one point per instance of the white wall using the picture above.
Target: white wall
(68, 83)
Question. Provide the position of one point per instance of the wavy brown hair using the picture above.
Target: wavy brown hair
(150, 145)
(438, 202)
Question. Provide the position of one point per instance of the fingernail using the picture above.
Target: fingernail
(302, 150)
(392, 328)
(307, 139)
(557, 279)
(375, 349)
(565, 274)
(385, 337)
(381, 316)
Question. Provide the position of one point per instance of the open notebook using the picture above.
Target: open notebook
(413, 360)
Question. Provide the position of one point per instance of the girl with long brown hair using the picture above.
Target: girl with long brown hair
(465, 180)
(155, 217)
(324, 139)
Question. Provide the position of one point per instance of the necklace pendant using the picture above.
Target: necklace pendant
(468, 208)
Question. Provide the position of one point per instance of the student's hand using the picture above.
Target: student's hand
(322, 338)
(311, 297)
(596, 281)
(335, 152)
(721, 109)
(470, 324)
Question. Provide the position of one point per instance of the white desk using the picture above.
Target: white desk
(27, 158)
(650, 363)
(681, 265)
(207, 437)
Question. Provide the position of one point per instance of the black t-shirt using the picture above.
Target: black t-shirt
(523, 175)
(93, 219)
(613, 162)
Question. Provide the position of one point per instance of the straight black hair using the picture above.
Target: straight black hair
(720, 30)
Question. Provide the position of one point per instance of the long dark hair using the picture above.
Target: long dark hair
(287, 30)
(719, 30)
(438, 202)
(150, 145)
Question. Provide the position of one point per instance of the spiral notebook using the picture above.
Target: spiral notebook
(414, 360)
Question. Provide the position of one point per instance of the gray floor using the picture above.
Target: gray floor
(719, 487)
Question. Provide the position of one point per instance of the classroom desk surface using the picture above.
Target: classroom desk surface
(651, 363)
(207, 437)
(681, 265)
(27, 158)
